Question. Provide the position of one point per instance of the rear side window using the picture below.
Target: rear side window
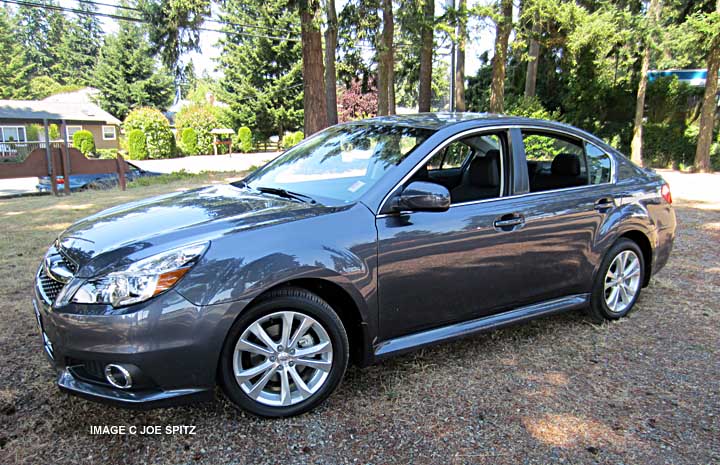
(598, 164)
(554, 161)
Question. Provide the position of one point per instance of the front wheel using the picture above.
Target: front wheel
(618, 282)
(285, 355)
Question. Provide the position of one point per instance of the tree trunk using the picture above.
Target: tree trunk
(460, 57)
(386, 55)
(532, 66)
(330, 73)
(426, 54)
(707, 116)
(636, 144)
(314, 102)
(502, 36)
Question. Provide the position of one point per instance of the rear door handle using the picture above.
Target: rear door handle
(509, 222)
(606, 203)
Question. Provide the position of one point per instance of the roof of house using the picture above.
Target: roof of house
(68, 106)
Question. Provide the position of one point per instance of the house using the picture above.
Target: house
(25, 123)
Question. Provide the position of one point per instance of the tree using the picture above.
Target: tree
(503, 29)
(426, 56)
(653, 15)
(15, 70)
(709, 25)
(386, 62)
(176, 28)
(126, 74)
(262, 74)
(459, 77)
(40, 31)
(331, 37)
(314, 103)
(80, 46)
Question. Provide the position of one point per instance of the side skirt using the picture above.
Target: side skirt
(413, 341)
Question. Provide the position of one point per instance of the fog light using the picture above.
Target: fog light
(118, 376)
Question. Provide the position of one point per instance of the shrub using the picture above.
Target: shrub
(244, 139)
(83, 140)
(137, 145)
(202, 119)
(33, 132)
(291, 139)
(667, 145)
(189, 141)
(159, 139)
(54, 131)
(530, 107)
(107, 153)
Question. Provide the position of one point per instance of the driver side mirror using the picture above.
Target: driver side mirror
(423, 196)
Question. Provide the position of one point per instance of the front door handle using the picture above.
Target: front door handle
(509, 222)
(604, 204)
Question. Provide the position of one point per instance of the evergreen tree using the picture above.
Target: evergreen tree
(15, 70)
(262, 76)
(40, 30)
(80, 46)
(127, 75)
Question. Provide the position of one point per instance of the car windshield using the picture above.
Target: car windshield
(341, 163)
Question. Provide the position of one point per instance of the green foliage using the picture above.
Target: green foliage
(159, 139)
(127, 75)
(530, 107)
(54, 131)
(203, 120)
(244, 139)
(137, 145)
(84, 141)
(666, 145)
(107, 154)
(189, 141)
(80, 46)
(262, 78)
(291, 139)
(15, 69)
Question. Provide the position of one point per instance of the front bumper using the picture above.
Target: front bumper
(174, 344)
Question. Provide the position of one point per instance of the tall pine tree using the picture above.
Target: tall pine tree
(262, 76)
(40, 31)
(127, 75)
(80, 46)
(15, 71)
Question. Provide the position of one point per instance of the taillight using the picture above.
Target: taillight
(665, 192)
(60, 180)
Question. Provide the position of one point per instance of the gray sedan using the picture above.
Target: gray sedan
(367, 240)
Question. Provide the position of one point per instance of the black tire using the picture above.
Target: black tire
(301, 301)
(599, 309)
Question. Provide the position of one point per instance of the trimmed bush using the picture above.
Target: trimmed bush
(137, 145)
(189, 141)
(668, 145)
(244, 138)
(203, 119)
(107, 154)
(159, 139)
(84, 141)
(291, 139)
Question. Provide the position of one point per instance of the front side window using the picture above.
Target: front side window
(554, 161)
(599, 164)
(470, 168)
(342, 162)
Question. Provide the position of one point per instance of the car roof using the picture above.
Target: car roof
(441, 120)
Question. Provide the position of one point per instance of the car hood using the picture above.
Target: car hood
(129, 232)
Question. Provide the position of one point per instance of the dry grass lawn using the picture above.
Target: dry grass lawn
(644, 390)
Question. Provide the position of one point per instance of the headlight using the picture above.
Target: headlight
(141, 280)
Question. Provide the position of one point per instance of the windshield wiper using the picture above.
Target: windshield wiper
(287, 194)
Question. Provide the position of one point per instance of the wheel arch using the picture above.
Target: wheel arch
(642, 241)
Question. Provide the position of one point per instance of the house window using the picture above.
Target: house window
(108, 133)
(72, 130)
(12, 134)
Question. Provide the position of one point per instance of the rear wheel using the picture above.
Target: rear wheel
(285, 355)
(618, 282)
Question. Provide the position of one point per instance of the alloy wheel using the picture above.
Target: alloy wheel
(622, 281)
(283, 358)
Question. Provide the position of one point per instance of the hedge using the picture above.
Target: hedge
(159, 139)
(189, 141)
(84, 141)
(137, 145)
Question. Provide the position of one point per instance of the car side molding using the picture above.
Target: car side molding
(465, 328)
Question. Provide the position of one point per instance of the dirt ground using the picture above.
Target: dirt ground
(643, 390)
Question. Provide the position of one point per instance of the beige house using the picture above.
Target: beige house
(26, 122)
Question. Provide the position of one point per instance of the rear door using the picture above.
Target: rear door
(568, 201)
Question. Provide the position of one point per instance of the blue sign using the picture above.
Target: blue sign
(693, 77)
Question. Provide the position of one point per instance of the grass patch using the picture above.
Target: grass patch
(184, 176)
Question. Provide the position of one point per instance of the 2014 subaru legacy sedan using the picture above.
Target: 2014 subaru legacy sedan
(367, 240)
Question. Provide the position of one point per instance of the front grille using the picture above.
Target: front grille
(68, 262)
(49, 288)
